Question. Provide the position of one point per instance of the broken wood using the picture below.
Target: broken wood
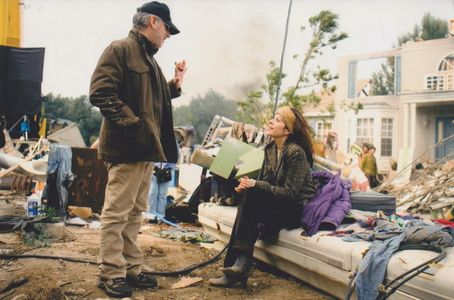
(29, 158)
(431, 186)
(186, 281)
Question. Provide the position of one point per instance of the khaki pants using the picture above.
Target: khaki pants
(125, 200)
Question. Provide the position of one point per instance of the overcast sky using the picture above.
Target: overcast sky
(227, 44)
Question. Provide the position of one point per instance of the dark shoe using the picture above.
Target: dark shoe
(241, 267)
(117, 287)
(228, 281)
(153, 221)
(143, 280)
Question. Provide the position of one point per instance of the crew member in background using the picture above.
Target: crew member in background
(184, 137)
(369, 166)
(134, 97)
(157, 197)
(364, 152)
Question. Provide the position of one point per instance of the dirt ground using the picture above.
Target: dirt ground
(58, 279)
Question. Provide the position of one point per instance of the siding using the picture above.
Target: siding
(421, 58)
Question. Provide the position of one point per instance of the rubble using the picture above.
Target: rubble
(432, 184)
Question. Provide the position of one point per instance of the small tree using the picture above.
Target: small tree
(325, 34)
(253, 109)
(383, 81)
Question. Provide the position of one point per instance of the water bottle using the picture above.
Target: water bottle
(33, 203)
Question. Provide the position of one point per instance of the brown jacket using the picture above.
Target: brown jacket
(132, 93)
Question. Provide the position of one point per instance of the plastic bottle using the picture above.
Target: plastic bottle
(33, 203)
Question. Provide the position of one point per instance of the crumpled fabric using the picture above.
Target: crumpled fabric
(59, 177)
(237, 130)
(373, 266)
(249, 132)
(329, 205)
(383, 230)
(417, 233)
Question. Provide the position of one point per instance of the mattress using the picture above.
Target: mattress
(327, 262)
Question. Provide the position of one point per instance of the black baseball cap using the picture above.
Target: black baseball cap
(161, 10)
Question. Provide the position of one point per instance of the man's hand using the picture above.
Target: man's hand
(245, 183)
(180, 70)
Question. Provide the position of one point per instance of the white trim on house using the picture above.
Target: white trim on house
(428, 97)
(318, 114)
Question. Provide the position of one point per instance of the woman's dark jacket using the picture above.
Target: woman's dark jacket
(288, 180)
(134, 97)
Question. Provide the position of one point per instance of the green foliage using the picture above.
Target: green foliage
(272, 80)
(325, 34)
(431, 28)
(258, 105)
(50, 213)
(383, 80)
(331, 108)
(35, 234)
(253, 110)
(78, 110)
(409, 36)
(351, 105)
(201, 111)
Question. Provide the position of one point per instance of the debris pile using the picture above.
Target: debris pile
(430, 186)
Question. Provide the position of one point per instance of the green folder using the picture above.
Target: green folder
(250, 163)
(236, 154)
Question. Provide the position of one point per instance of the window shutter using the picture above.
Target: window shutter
(351, 79)
(397, 74)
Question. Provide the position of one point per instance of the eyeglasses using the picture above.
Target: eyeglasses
(167, 26)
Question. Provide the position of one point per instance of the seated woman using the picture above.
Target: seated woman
(276, 198)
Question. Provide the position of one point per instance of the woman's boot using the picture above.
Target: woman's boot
(228, 281)
(241, 267)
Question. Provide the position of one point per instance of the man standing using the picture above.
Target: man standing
(137, 128)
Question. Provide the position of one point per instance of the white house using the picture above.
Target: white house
(419, 114)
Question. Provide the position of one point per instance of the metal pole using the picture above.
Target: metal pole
(282, 56)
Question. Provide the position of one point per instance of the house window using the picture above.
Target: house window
(446, 69)
(364, 130)
(321, 130)
(435, 82)
(386, 137)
